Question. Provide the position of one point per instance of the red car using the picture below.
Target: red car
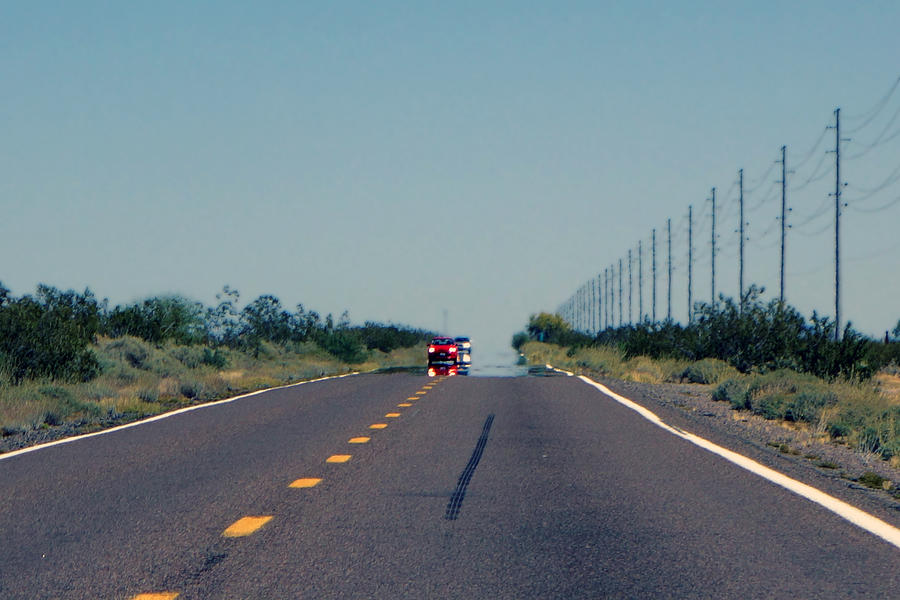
(442, 350)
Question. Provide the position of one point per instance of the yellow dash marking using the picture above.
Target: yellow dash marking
(338, 458)
(378, 426)
(246, 526)
(421, 393)
(404, 404)
(306, 482)
(413, 398)
(358, 440)
(392, 415)
(156, 596)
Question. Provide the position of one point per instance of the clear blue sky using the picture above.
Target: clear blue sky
(396, 159)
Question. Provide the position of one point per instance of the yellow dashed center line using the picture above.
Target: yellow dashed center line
(338, 458)
(405, 404)
(358, 440)
(413, 398)
(156, 596)
(421, 393)
(306, 482)
(378, 426)
(246, 526)
(392, 415)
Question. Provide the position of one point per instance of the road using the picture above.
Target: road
(468, 487)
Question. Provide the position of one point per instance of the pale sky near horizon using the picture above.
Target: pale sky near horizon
(398, 159)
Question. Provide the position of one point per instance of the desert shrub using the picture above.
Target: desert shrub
(191, 388)
(148, 394)
(65, 404)
(48, 335)
(375, 336)
(708, 370)
(807, 405)
(733, 391)
(749, 335)
(214, 358)
(160, 319)
(344, 344)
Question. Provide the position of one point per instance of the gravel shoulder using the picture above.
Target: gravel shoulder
(794, 450)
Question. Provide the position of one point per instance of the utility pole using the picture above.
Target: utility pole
(640, 282)
(600, 304)
(741, 230)
(783, 218)
(605, 303)
(612, 296)
(581, 313)
(837, 224)
(669, 278)
(653, 312)
(593, 307)
(690, 263)
(608, 312)
(612, 292)
(621, 320)
(630, 312)
(714, 246)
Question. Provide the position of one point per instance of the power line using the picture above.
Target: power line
(878, 140)
(877, 209)
(875, 110)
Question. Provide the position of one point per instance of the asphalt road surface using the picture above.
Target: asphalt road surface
(467, 487)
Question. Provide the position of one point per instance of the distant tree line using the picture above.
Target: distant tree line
(751, 336)
(49, 334)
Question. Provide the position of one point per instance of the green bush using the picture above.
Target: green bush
(808, 405)
(708, 370)
(160, 319)
(191, 389)
(48, 335)
(733, 391)
(214, 358)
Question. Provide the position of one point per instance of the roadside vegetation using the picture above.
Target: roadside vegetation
(70, 364)
(766, 359)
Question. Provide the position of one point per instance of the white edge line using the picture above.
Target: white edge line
(166, 415)
(860, 518)
(552, 368)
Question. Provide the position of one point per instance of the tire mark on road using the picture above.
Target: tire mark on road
(456, 500)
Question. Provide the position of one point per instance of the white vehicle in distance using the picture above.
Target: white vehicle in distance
(464, 351)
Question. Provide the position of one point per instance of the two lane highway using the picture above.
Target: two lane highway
(405, 486)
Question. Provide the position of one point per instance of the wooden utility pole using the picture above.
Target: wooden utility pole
(600, 304)
(783, 218)
(837, 224)
(640, 282)
(741, 230)
(714, 246)
(654, 276)
(669, 278)
(621, 320)
(690, 264)
(630, 312)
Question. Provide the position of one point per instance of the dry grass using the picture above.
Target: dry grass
(605, 360)
(889, 385)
